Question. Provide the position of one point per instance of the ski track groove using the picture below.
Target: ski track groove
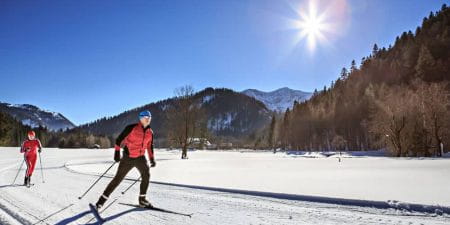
(8, 211)
(12, 216)
(16, 215)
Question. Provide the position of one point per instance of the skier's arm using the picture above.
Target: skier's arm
(151, 153)
(122, 136)
(119, 140)
(22, 150)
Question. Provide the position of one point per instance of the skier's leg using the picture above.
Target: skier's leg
(143, 168)
(26, 170)
(124, 167)
(32, 163)
(29, 166)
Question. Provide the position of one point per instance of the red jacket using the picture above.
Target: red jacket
(30, 146)
(135, 139)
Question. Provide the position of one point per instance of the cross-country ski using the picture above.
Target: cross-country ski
(157, 209)
(96, 214)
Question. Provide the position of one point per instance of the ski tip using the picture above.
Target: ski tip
(92, 207)
(100, 220)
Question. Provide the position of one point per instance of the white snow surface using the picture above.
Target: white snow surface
(192, 186)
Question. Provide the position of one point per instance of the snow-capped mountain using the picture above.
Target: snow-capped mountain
(33, 116)
(279, 99)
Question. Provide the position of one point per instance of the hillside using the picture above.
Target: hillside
(229, 115)
(397, 97)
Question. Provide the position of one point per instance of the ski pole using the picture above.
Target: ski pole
(96, 181)
(123, 192)
(117, 198)
(42, 172)
(18, 171)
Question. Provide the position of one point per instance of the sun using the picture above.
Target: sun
(311, 25)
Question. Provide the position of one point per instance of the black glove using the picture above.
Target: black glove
(39, 150)
(117, 156)
(152, 163)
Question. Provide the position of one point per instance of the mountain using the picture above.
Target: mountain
(280, 99)
(229, 114)
(33, 116)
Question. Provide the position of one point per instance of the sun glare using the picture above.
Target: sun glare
(311, 25)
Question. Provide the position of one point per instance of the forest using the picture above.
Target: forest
(397, 97)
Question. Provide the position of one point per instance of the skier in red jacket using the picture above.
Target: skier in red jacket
(136, 139)
(29, 148)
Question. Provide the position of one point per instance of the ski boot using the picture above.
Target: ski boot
(101, 201)
(144, 203)
(29, 181)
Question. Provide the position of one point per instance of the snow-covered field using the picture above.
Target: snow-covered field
(237, 187)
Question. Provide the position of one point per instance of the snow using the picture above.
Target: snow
(280, 99)
(233, 187)
(30, 123)
(222, 122)
(207, 98)
(26, 106)
(368, 178)
(33, 116)
(164, 107)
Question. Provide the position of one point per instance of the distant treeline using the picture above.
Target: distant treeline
(396, 97)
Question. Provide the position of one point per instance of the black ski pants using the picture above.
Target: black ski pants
(125, 165)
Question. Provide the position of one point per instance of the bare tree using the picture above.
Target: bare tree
(435, 101)
(339, 143)
(90, 141)
(390, 117)
(184, 119)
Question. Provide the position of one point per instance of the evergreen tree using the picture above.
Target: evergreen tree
(353, 66)
(344, 74)
(271, 135)
(425, 63)
(375, 50)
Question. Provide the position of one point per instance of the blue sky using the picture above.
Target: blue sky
(89, 59)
